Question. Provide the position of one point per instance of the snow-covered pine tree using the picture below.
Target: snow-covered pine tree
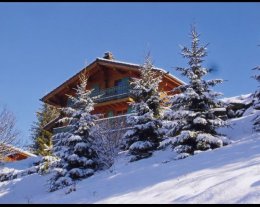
(256, 103)
(192, 111)
(74, 147)
(145, 135)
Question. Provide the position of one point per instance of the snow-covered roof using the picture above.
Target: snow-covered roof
(136, 65)
(16, 149)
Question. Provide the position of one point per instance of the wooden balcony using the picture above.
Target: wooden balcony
(112, 93)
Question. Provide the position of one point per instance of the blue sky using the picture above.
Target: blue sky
(44, 44)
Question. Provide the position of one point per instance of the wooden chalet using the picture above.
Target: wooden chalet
(110, 80)
(11, 153)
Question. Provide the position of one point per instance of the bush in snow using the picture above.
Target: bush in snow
(256, 103)
(192, 113)
(145, 135)
(15, 174)
(107, 145)
(108, 135)
(74, 146)
(33, 168)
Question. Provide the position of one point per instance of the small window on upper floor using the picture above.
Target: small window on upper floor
(122, 85)
(122, 82)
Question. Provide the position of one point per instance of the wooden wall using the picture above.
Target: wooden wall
(15, 157)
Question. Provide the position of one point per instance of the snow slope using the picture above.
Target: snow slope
(226, 175)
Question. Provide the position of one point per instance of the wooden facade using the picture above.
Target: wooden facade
(16, 157)
(110, 80)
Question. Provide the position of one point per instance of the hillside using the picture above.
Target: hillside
(225, 175)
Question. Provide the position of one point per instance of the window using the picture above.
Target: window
(121, 85)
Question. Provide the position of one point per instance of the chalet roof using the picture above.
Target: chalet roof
(138, 66)
(14, 149)
(106, 61)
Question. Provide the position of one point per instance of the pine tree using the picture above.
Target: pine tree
(41, 138)
(192, 110)
(145, 119)
(74, 147)
(256, 103)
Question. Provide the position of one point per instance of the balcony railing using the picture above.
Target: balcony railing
(115, 123)
(113, 128)
(112, 93)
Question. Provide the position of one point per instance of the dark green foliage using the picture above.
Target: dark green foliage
(41, 138)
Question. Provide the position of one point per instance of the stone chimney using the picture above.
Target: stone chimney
(108, 55)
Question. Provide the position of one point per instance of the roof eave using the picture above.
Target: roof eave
(44, 98)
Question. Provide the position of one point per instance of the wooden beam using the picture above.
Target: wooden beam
(118, 70)
(55, 100)
(113, 107)
(105, 71)
(171, 80)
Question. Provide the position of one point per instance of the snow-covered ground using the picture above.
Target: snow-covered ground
(230, 174)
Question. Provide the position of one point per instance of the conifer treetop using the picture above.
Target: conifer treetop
(193, 109)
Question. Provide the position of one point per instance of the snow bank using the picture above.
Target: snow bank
(18, 165)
